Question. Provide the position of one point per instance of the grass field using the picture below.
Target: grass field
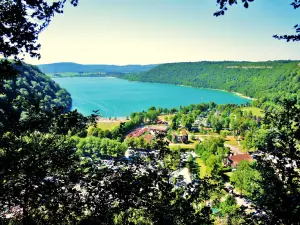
(255, 111)
(230, 140)
(191, 145)
(181, 146)
(162, 117)
(202, 167)
(204, 137)
(108, 125)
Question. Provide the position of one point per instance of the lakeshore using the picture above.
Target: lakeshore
(236, 93)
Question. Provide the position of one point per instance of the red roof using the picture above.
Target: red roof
(236, 159)
(148, 137)
(137, 132)
(159, 128)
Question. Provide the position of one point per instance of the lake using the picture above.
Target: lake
(119, 98)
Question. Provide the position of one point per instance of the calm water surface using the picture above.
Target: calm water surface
(117, 97)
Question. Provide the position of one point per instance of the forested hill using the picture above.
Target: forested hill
(65, 67)
(265, 80)
(31, 86)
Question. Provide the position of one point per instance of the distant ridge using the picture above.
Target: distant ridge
(64, 67)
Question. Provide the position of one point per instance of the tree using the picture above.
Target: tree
(230, 213)
(100, 147)
(246, 179)
(166, 111)
(34, 173)
(173, 110)
(255, 139)
(187, 121)
(130, 142)
(152, 108)
(152, 115)
(228, 206)
(279, 165)
(42, 176)
(223, 6)
(216, 124)
(212, 153)
(141, 142)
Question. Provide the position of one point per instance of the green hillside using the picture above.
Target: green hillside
(31, 86)
(268, 81)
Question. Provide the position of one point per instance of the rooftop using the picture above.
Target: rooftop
(236, 159)
(148, 137)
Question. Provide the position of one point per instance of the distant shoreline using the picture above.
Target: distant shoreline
(216, 89)
(243, 96)
(235, 93)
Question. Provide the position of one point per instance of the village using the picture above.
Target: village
(188, 140)
(185, 140)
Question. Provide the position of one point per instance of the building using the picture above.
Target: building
(137, 132)
(236, 159)
(182, 138)
(148, 137)
(185, 137)
(158, 129)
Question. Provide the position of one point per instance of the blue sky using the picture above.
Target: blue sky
(158, 31)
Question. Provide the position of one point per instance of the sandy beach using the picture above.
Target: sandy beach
(112, 119)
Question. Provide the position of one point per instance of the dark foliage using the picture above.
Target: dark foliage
(279, 164)
(29, 87)
(45, 182)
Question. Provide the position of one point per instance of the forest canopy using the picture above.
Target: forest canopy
(267, 81)
(31, 87)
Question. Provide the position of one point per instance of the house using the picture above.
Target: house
(185, 137)
(148, 137)
(160, 122)
(182, 138)
(158, 129)
(137, 132)
(236, 159)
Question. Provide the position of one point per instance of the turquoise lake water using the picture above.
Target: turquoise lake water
(118, 97)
